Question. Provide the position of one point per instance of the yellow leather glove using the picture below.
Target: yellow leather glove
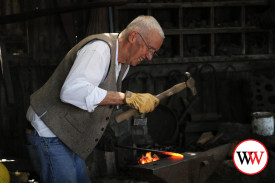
(143, 102)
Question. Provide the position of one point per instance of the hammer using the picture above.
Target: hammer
(189, 83)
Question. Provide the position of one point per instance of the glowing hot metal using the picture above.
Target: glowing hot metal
(172, 154)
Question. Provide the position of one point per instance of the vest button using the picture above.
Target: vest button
(96, 139)
(102, 129)
(107, 118)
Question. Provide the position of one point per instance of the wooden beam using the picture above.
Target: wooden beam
(19, 17)
(6, 76)
(195, 4)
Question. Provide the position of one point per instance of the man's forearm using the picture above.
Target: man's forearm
(113, 98)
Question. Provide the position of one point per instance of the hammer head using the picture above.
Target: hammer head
(190, 83)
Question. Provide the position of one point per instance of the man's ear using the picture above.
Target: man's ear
(132, 36)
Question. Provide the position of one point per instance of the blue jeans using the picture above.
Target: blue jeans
(54, 161)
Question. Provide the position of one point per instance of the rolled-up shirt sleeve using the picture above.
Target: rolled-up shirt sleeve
(88, 71)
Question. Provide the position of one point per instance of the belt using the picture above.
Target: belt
(28, 131)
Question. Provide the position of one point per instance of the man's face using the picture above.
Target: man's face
(144, 48)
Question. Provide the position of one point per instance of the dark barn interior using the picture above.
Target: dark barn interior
(227, 46)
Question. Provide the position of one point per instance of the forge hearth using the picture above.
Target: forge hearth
(195, 167)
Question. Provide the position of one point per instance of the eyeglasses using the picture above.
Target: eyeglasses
(152, 51)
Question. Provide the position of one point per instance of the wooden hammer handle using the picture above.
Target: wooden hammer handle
(132, 112)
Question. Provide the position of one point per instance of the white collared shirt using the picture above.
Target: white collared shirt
(81, 85)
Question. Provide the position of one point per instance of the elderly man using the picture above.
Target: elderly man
(71, 110)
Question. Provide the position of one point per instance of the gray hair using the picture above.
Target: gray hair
(143, 24)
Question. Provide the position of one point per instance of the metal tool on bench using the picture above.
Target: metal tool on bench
(189, 83)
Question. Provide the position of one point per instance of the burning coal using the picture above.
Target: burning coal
(148, 158)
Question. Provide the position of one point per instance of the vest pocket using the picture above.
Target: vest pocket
(77, 124)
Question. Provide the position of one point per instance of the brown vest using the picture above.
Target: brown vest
(77, 128)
